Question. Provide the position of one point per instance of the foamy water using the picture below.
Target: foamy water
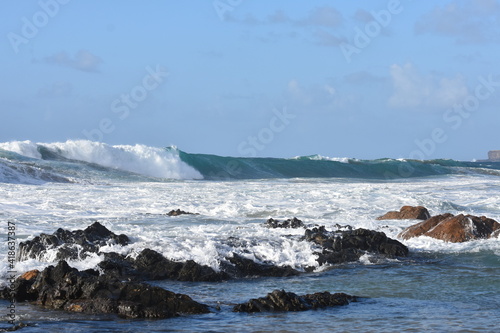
(440, 287)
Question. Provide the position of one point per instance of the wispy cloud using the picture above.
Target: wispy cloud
(467, 21)
(414, 90)
(364, 77)
(324, 16)
(316, 98)
(83, 61)
(326, 38)
(322, 23)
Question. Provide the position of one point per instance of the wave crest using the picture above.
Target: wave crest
(140, 159)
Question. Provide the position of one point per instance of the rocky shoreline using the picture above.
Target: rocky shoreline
(117, 284)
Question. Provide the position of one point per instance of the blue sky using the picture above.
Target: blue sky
(364, 79)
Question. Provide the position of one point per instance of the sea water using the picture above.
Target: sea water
(440, 287)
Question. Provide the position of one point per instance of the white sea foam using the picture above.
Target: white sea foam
(25, 148)
(326, 158)
(232, 214)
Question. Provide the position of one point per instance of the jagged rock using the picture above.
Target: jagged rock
(422, 227)
(290, 223)
(455, 229)
(239, 266)
(75, 244)
(179, 212)
(151, 265)
(407, 213)
(66, 288)
(280, 300)
(348, 245)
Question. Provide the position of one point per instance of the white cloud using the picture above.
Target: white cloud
(468, 21)
(83, 61)
(329, 89)
(414, 90)
(316, 97)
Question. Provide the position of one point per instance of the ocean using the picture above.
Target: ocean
(439, 287)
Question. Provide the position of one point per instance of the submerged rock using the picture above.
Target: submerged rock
(17, 327)
(65, 288)
(280, 300)
(290, 223)
(407, 213)
(455, 229)
(347, 245)
(75, 244)
(179, 212)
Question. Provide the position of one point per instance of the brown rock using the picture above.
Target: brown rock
(455, 229)
(407, 213)
(421, 228)
(30, 275)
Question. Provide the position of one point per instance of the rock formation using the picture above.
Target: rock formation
(75, 244)
(290, 223)
(455, 229)
(178, 212)
(280, 300)
(151, 265)
(66, 288)
(240, 267)
(407, 213)
(349, 245)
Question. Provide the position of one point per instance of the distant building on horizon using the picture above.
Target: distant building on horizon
(494, 155)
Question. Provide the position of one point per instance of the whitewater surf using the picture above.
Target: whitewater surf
(440, 286)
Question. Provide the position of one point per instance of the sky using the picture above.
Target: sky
(362, 79)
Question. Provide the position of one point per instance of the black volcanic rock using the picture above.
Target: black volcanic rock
(290, 223)
(280, 300)
(65, 288)
(151, 265)
(75, 244)
(157, 267)
(349, 245)
(239, 267)
(178, 212)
